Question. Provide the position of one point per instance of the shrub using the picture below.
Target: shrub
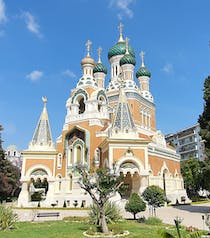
(135, 204)
(7, 218)
(37, 196)
(153, 221)
(196, 234)
(112, 213)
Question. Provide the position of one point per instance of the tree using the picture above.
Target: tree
(9, 175)
(196, 176)
(155, 197)
(204, 118)
(135, 204)
(192, 176)
(100, 186)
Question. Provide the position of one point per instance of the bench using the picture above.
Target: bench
(48, 214)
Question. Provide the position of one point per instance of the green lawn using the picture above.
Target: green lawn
(71, 229)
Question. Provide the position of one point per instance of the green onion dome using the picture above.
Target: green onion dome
(119, 49)
(143, 71)
(127, 59)
(100, 68)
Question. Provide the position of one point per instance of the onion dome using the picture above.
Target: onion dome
(127, 58)
(119, 49)
(143, 71)
(88, 59)
(99, 67)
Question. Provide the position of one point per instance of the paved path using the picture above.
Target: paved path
(191, 214)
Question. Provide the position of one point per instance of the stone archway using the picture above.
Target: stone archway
(131, 179)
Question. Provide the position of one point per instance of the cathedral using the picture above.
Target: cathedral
(110, 126)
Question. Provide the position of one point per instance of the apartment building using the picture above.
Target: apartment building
(187, 142)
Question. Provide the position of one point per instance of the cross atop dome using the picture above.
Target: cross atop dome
(99, 54)
(126, 45)
(88, 44)
(120, 27)
(142, 54)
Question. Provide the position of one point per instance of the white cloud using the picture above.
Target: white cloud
(32, 24)
(168, 68)
(3, 17)
(69, 73)
(123, 6)
(35, 75)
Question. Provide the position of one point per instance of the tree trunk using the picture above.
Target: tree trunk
(134, 216)
(103, 221)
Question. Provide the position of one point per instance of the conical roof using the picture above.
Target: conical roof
(42, 136)
(123, 119)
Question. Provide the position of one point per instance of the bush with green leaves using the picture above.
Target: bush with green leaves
(135, 205)
(155, 197)
(196, 234)
(111, 211)
(37, 196)
(7, 218)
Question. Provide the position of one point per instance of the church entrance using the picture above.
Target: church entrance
(132, 182)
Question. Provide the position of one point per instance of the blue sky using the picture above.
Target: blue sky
(42, 44)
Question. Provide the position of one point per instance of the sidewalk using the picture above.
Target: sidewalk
(191, 214)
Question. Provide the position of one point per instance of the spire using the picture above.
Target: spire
(42, 137)
(99, 54)
(142, 54)
(123, 119)
(120, 27)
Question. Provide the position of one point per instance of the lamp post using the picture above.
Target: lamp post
(178, 221)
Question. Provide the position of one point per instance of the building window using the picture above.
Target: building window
(81, 106)
(59, 161)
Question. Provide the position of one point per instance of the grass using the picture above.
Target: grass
(75, 229)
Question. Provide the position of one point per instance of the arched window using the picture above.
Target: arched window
(81, 105)
(69, 156)
(101, 100)
(78, 154)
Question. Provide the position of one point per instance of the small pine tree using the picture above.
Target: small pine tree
(135, 204)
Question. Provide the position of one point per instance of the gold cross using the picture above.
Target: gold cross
(88, 44)
(99, 54)
(121, 32)
(142, 54)
(126, 45)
